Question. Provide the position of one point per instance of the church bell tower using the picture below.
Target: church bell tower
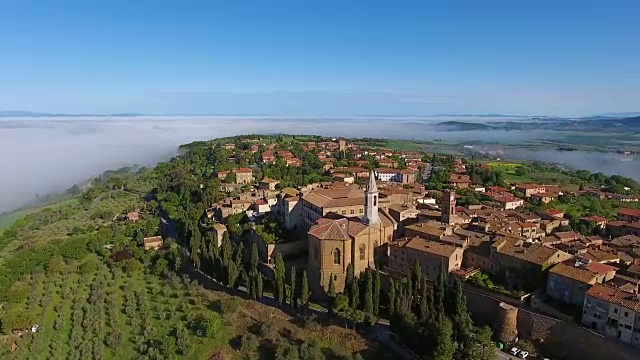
(371, 216)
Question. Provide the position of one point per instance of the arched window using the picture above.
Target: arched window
(336, 256)
(363, 252)
(375, 200)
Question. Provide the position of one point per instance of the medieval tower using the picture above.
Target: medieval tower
(371, 216)
(448, 207)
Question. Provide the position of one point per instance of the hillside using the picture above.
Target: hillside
(77, 269)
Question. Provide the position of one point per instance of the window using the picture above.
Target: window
(352, 211)
(628, 327)
(626, 314)
(615, 311)
(375, 200)
(363, 251)
(335, 277)
(360, 211)
(344, 212)
(336, 256)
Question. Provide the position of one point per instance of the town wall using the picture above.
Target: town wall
(555, 338)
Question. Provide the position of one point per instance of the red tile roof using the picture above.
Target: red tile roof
(614, 296)
(629, 212)
(242, 170)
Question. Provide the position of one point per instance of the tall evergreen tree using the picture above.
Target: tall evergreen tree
(348, 282)
(254, 257)
(391, 306)
(304, 290)
(439, 291)
(292, 283)
(444, 347)
(332, 288)
(462, 324)
(259, 287)
(368, 292)
(354, 292)
(376, 293)
(416, 277)
(279, 281)
(425, 311)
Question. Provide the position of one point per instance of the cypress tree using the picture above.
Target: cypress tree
(259, 286)
(354, 295)
(424, 302)
(279, 281)
(304, 290)
(332, 288)
(439, 293)
(391, 306)
(348, 282)
(368, 292)
(292, 283)
(462, 324)
(444, 346)
(239, 256)
(416, 277)
(254, 257)
(376, 293)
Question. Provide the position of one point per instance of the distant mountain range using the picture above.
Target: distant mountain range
(595, 123)
(21, 113)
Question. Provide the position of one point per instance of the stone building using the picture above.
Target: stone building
(568, 281)
(432, 256)
(343, 200)
(336, 240)
(243, 175)
(613, 312)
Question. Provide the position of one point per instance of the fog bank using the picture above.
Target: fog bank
(42, 155)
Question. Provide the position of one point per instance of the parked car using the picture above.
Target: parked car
(514, 351)
(523, 354)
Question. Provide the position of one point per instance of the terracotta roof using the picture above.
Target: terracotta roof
(594, 218)
(625, 241)
(529, 186)
(570, 270)
(387, 170)
(616, 223)
(242, 170)
(554, 212)
(629, 212)
(337, 229)
(534, 253)
(331, 198)
(431, 247)
(567, 235)
(457, 178)
(614, 296)
(599, 255)
(427, 228)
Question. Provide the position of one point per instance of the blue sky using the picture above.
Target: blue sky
(326, 58)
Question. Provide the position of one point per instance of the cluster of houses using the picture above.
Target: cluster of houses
(383, 218)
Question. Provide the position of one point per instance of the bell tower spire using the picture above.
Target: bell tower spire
(371, 216)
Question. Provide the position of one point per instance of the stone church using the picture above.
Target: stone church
(336, 240)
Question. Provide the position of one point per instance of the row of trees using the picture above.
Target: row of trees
(432, 319)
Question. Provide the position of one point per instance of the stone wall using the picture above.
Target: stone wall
(556, 339)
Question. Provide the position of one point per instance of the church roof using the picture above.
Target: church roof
(337, 229)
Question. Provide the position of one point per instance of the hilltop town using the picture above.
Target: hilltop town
(425, 254)
(375, 207)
